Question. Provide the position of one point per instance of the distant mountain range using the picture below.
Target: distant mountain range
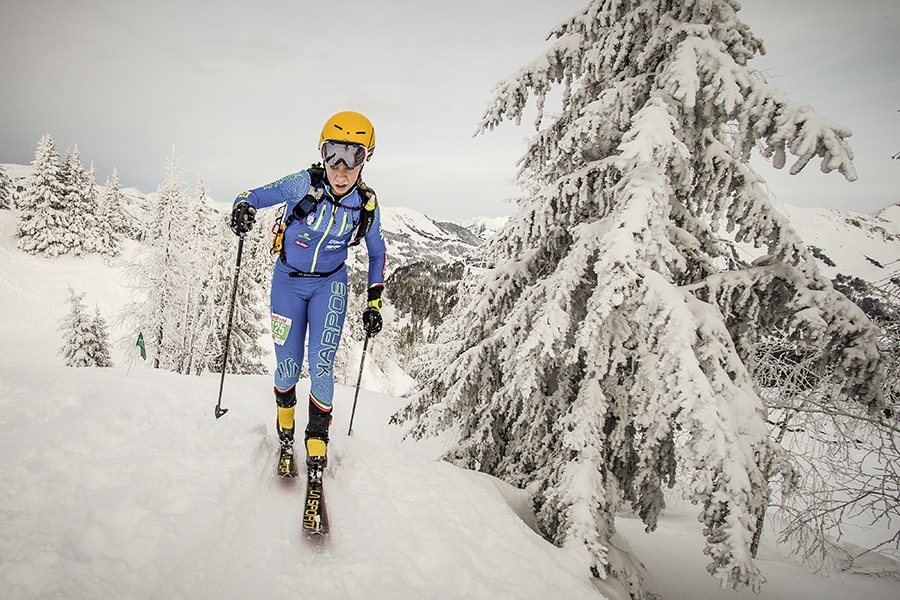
(411, 236)
(848, 243)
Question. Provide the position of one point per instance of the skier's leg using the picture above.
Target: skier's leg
(289, 336)
(327, 308)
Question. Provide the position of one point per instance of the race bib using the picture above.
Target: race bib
(281, 327)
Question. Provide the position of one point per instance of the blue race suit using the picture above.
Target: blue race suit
(309, 286)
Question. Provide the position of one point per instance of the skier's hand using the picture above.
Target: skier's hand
(371, 317)
(242, 218)
(316, 174)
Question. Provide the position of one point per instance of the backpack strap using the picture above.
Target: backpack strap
(305, 206)
(367, 214)
(313, 196)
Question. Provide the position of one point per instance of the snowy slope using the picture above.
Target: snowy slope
(125, 486)
(861, 245)
(485, 227)
(413, 236)
(120, 483)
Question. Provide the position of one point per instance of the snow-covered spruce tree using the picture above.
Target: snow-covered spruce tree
(112, 208)
(111, 222)
(194, 294)
(85, 339)
(163, 273)
(213, 263)
(611, 343)
(218, 280)
(44, 217)
(79, 194)
(6, 191)
(183, 283)
(252, 306)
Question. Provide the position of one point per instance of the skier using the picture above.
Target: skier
(326, 211)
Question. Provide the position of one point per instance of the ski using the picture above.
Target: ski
(315, 516)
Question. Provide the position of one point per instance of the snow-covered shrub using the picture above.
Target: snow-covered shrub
(85, 338)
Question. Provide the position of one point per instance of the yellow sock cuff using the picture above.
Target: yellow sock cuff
(285, 417)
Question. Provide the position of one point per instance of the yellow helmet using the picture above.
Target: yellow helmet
(352, 127)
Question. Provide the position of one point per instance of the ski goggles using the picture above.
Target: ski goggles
(352, 155)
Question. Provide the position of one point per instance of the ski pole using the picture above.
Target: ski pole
(358, 381)
(237, 270)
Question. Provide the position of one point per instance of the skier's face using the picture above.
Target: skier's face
(341, 178)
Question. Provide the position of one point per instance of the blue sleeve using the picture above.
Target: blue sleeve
(290, 188)
(377, 251)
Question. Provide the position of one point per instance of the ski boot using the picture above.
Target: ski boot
(316, 438)
(287, 466)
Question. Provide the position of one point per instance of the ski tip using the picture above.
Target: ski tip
(315, 515)
(317, 541)
(220, 411)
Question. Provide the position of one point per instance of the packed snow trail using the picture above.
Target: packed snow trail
(124, 485)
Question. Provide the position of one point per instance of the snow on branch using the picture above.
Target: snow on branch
(777, 296)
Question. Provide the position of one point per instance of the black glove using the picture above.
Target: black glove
(371, 318)
(316, 174)
(243, 216)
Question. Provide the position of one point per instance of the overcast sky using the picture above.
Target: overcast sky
(241, 89)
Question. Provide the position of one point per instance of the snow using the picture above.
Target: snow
(403, 221)
(851, 239)
(120, 483)
(485, 227)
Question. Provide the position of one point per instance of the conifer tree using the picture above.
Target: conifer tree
(110, 221)
(216, 294)
(112, 207)
(44, 217)
(184, 281)
(6, 190)
(251, 310)
(208, 293)
(193, 294)
(162, 274)
(612, 342)
(79, 194)
(85, 339)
